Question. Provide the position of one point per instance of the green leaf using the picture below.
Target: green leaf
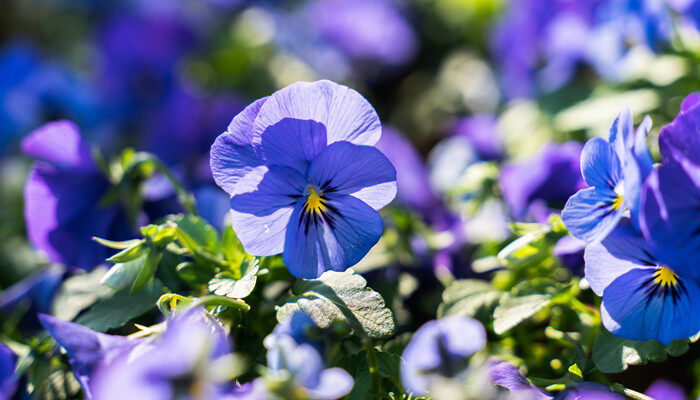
(231, 247)
(148, 271)
(120, 308)
(469, 297)
(341, 296)
(614, 354)
(78, 293)
(356, 364)
(194, 233)
(524, 300)
(124, 274)
(60, 384)
(129, 254)
(117, 245)
(224, 284)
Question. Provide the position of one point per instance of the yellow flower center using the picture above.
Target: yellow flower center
(314, 203)
(620, 191)
(665, 276)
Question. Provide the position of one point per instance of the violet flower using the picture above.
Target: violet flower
(303, 177)
(62, 198)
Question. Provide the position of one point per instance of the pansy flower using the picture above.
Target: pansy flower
(508, 376)
(440, 349)
(300, 365)
(86, 349)
(62, 198)
(303, 177)
(666, 390)
(614, 171)
(187, 361)
(647, 292)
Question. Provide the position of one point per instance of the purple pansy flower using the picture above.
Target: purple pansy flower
(530, 187)
(62, 198)
(185, 361)
(86, 349)
(302, 365)
(303, 176)
(8, 379)
(647, 291)
(614, 170)
(506, 375)
(661, 389)
(36, 291)
(569, 250)
(440, 348)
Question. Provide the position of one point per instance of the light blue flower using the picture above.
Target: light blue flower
(303, 177)
(614, 171)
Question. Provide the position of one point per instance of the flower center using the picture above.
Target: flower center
(665, 276)
(620, 191)
(314, 203)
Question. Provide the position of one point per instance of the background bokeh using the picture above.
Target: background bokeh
(485, 105)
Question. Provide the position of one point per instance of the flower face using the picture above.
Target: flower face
(644, 295)
(303, 178)
(614, 170)
(440, 348)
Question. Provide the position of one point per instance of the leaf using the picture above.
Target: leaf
(231, 247)
(469, 297)
(225, 285)
(123, 274)
(524, 300)
(78, 293)
(341, 296)
(117, 245)
(356, 365)
(59, 385)
(194, 233)
(129, 254)
(120, 308)
(148, 271)
(614, 354)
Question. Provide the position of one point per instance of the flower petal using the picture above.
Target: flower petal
(622, 132)
(632, 311)
(333, 383)
(361, 171)
(232, 155)
(292, 142)
(663, 389)
(261, 204)
(346, 114)
(680, 141)
(59, 143)
(590, 214)
(505, 374)
(600, 165)
(670, 218)
(620, 252)
(335, 242)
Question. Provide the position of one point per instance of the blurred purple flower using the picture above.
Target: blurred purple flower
(62, 198)
(303, 177)
(137, 59)
(185, 361)
(569, 251)
(661, 389)
(8, 379)
(440, 348)
(481, 130)
(302, 364)
(365, 30)
(506, 375)
(532, 187)
(86, 349)
(35, 292)
(34, 90)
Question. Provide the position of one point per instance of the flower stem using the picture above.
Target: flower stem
(183, 196)
(373, 368)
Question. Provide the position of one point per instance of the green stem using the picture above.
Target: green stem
(183, 196)
(630, 393)
(373, 368)
(214, 300)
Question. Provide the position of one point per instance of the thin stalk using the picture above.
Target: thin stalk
(373, 368)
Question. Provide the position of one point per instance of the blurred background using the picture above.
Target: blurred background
(485, 104)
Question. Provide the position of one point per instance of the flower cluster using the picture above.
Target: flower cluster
(639, 221)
